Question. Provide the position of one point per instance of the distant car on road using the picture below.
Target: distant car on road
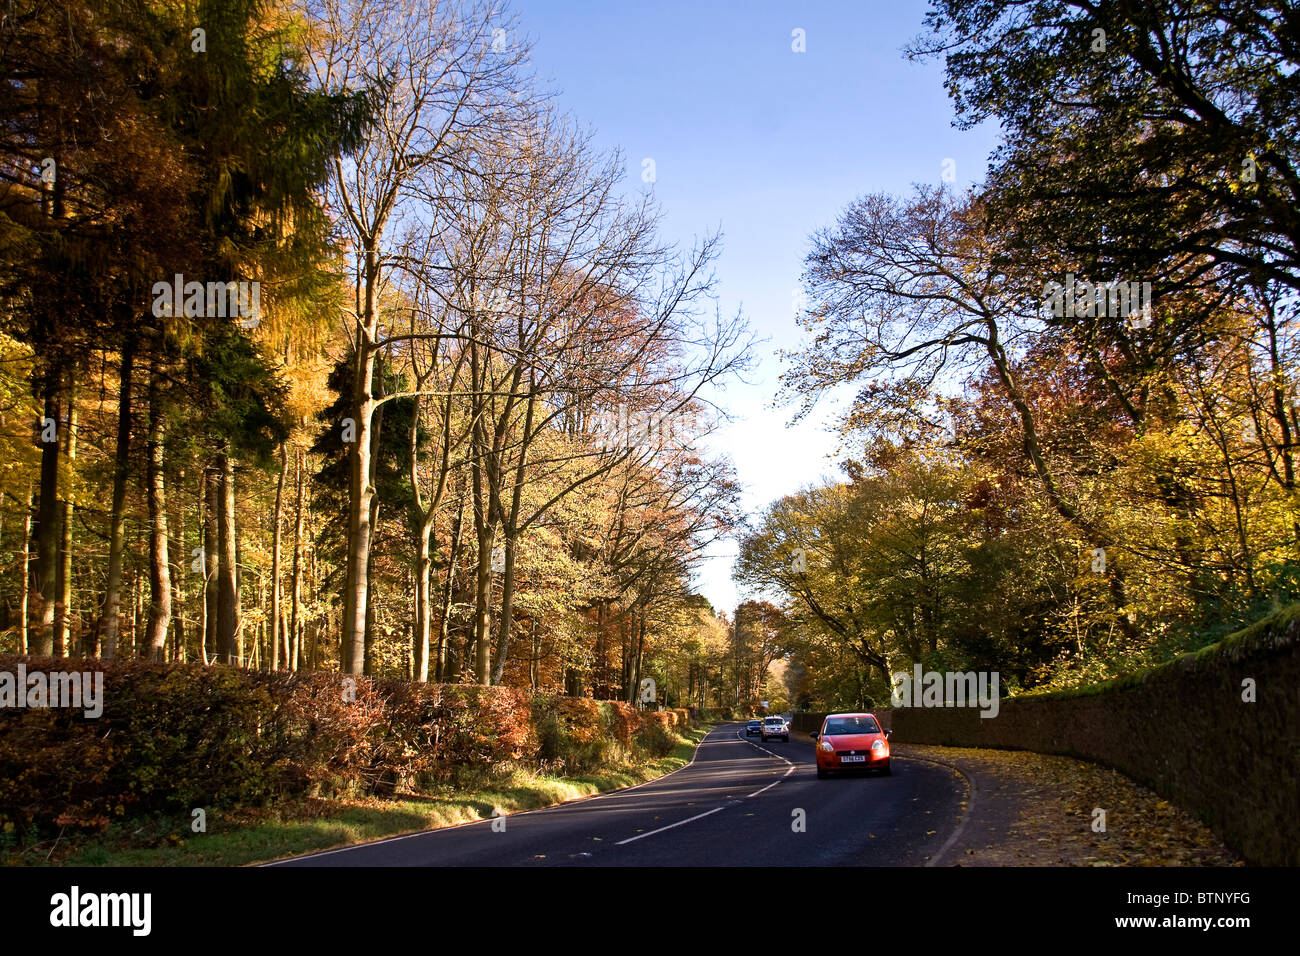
(851, 742)
(775, 727)
(753, 727)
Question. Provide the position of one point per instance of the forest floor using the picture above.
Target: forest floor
(1031, 809)
(254, 836)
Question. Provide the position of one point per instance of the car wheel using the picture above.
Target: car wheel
(887, 772)
(822, 774)
(785, 739)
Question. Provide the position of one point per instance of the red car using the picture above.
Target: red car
(852, 742)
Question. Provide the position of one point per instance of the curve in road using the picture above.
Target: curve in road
(738, 803)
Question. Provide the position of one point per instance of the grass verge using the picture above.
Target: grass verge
(308, 825)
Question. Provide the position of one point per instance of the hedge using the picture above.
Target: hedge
(173, 737)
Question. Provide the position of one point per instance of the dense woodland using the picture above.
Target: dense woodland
(457, 429)
(1059, 490)
(454, 436)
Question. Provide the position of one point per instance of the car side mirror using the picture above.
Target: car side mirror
(813, 736)
(888, 732)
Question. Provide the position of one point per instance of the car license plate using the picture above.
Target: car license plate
(855, 759)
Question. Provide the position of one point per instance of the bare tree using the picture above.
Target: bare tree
(438, 76)
(568, 300)
(908, 291)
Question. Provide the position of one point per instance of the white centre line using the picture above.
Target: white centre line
(642, 836)
(789, 769)
(790, 766)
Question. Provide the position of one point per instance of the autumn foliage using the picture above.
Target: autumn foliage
(173, 737)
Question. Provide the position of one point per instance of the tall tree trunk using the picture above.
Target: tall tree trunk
(423, 570)
(276, 630)
(117, 519)
(369, 636)
(355, 596)
(377, 430)
(625, 658)
(294, 635)
(483, 481)
(483, 605)
(137, 606)
(241, 650)
(211, 562)
(228, 624)
(160, 580)
(291, 660)
(637, 648)
(634, 659)
(485, 531)
(288, 639)
(26, 576)
(511, 534)
(640, 653)
(446, 673)
(48, 512)
(361, 490)
(63, 584)
(312, 627)
(423, 604)
(178, 576)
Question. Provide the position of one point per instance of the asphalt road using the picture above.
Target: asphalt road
(739, 803)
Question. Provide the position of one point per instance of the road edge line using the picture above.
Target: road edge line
(971, 789)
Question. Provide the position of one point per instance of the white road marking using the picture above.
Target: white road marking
(970, 804)
(473, 823)
(791, 766)
(642, 836)
(765, 750)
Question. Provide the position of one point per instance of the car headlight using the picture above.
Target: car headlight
(825, 745)
(878, 745)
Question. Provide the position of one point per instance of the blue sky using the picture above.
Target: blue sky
(766, 144)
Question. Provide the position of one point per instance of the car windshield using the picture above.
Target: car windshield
(851, 725)
(775, 720)
(753, 723)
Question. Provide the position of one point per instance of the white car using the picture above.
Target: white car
(775, 727)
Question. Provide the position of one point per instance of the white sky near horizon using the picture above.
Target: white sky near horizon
(766, 145)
